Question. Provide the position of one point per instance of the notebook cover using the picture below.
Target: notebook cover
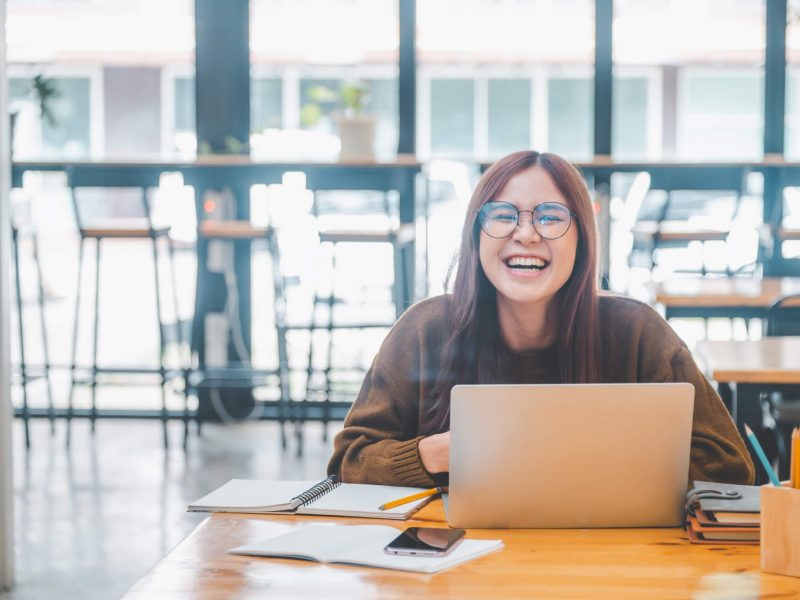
(712, 519)
(718, 530)
(735, 519)
(697, 538)
(749, 502)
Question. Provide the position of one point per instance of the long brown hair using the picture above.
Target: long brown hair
(472, 353)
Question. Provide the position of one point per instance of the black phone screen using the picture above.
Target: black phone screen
(425, 540)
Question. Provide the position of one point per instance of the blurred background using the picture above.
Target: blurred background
(220, 208)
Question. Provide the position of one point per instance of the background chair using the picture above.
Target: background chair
(137, 224)
(334, 310)
(22, 234)
(216, 373)
(783, 318)
(674, 212)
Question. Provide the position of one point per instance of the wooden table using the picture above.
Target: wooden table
(731, 297)
(599, 563)
(746, 369)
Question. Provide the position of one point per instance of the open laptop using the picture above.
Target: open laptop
(563, 456)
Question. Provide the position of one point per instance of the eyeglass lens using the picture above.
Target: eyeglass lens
(551, 220)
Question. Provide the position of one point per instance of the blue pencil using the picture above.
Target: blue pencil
(762, 457)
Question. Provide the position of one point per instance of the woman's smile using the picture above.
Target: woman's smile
(526, 265)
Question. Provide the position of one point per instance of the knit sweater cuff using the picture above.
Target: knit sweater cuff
(408, 465)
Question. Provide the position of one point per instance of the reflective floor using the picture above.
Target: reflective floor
(91, 520)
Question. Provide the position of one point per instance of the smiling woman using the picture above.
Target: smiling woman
(525, 308)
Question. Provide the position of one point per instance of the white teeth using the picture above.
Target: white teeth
(526, 261)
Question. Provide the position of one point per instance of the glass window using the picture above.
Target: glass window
(569, 119)
(704, 62)
(383, 103)
(792, 135)
(509, 116)
(792, 140)
(452, 117)
(630, 118)
(306, 57)
(720, 114)
(66, 134)
(184, 104)
(509, 50)
(266, 107)
(109, 61)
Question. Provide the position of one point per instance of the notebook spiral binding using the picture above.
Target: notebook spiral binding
(318, 490)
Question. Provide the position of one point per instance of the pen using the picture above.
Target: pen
(411, 498)
(762, 457)
(794, 469)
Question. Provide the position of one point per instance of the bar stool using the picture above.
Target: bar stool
(320, 384)
(666, 225)
(118, 229)
(214, 377)
(28, 373)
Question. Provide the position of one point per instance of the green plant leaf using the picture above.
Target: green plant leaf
(310, 114)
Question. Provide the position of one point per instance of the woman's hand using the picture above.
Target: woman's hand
(434, 451)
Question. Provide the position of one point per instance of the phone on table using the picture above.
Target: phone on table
(425, 541)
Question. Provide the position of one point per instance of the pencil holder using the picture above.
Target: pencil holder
(780, 530)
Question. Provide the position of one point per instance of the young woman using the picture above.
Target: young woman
(525, 308)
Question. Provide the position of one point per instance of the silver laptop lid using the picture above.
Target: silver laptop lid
(582, 455)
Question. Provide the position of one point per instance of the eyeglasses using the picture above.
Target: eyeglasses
(551, 220)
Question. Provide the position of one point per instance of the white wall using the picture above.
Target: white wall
(6, 481)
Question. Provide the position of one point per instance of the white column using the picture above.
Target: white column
(6, 478)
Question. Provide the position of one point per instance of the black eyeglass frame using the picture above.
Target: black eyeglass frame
(482, 211)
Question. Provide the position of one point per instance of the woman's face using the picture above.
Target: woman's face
(526, 269)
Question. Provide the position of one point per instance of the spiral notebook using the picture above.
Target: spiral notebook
(327, 497)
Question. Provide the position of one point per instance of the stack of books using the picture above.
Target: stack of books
(719, 513)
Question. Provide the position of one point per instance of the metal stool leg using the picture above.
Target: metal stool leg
(95, 332)
(326, 401)
(162, 346)
(279, 311)
(310, 368)
(182, 363)
(45, 349)
(299, 414)
(22, 366)
(73, 359)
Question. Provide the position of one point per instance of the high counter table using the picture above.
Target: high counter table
(535, 563)
(240, 173)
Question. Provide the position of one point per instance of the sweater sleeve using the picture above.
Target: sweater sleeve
(718, 451)
(379, 441)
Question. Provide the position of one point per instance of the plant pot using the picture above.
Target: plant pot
(357, 135)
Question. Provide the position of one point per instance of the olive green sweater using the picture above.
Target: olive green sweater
(378, 443)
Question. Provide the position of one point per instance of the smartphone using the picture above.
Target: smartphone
(425, 541)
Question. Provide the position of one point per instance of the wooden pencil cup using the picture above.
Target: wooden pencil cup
(780, 530)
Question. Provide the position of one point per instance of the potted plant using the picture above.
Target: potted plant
(356, 128)
(345, 108)
(43, 91)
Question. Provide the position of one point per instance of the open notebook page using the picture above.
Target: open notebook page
(363, 500)
(360, 545)
(246, 495)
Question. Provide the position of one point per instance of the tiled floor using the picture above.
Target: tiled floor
(91, 520)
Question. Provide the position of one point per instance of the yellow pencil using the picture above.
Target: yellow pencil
(411, 498)
(794, 468)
